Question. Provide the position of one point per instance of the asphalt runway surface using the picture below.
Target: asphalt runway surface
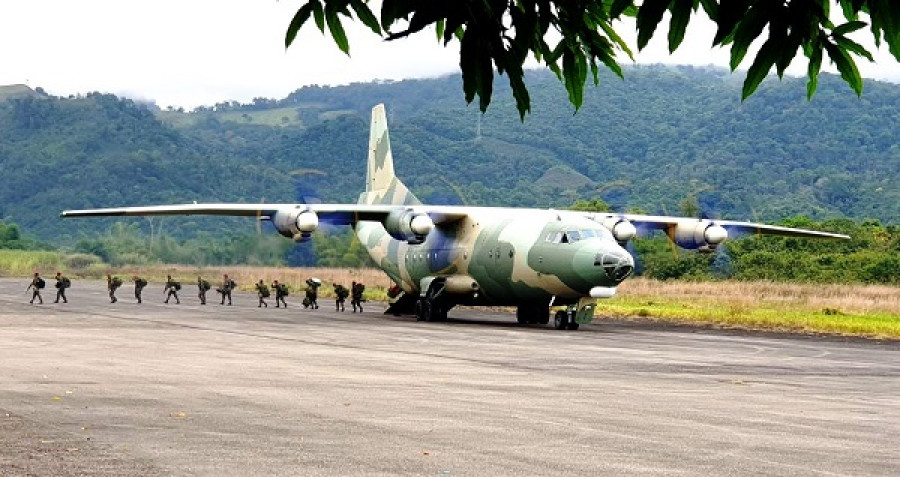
(92, 388)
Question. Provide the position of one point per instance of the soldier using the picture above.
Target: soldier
(112, 284)
(312, 293)
(203, 286)
(37, 283)
(171, 289)
(262, 291)
(139, 284)
(281, 291)
(340, 296)
(61, 284)
(357, 290)
(227, 285)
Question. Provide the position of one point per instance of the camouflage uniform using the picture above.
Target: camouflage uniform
(61, 284)
(202, 287)
(225, 289)
(112, 284)
(139, 284)
(340, 296)
(357, 291)
(280, 293)
(36, 285)
(312, 294)
(171, 289)
(262, 292)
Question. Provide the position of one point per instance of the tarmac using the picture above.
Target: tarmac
(93, 388)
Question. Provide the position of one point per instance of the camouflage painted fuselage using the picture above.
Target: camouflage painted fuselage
(513, 254)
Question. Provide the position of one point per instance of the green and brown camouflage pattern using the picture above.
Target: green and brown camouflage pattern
(506, 251)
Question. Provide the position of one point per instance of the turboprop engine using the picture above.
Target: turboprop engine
(408, 225)
(702, 235)
(296, 224)
(621, 228)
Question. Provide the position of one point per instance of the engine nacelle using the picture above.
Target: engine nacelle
(700, 235)
(621, 228)
(297, 224)
(408, 225)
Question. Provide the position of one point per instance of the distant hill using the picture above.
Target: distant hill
(648, 142)
(18, 91)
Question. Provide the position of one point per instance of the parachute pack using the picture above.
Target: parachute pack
(284, 289)
(140, 283)
(41, 283)
(116, 282)
(66, 283)
(176, 286)
(264, 291)
(205, 285)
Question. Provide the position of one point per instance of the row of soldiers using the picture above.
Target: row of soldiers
(172, 287)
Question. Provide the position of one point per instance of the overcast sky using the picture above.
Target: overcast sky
(199, 52)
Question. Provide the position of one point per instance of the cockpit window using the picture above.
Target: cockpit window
(572, 236)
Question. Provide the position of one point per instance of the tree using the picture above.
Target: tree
(502, 33)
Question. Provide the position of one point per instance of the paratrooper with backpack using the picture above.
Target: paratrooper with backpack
(139, 284)
(37, 284)
(262, 291)
(62, 283)
(171, 289)
(113, 284)
(281, 291)
(203, 286)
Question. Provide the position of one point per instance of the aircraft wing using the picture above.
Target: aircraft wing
(664, 223)
(336, 214)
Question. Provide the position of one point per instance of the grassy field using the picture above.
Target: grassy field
(854, 310)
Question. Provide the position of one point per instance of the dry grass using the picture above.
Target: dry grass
(814, 297)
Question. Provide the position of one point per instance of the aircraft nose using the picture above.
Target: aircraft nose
(618, 264)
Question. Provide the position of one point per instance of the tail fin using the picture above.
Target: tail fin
(382, 186)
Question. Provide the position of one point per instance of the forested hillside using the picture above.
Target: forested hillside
(644, 143)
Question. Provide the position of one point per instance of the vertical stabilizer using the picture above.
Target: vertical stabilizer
(382, 185)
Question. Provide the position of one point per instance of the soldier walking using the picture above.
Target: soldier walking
(281, 291)
(227, 285)
(171, 289)
(357, 289)
(37, 283)
(340, 296)
(61, 284)
(203, 286)
(113, 284)
(139, 284)
(262, 291)
(312, 293)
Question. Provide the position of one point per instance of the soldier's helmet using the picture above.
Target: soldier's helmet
(36, 273)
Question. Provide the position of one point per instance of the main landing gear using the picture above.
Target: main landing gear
(565, 320)
(432, 307)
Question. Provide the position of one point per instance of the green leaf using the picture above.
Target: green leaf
(649, 15)
(749, 29)
(365, 15)
(439, 29)
(758, 71)
(728, 16)
(815, 64)
(618, 8)
(681, 15)
(852, 46)
(319, 15)
(848, 27)
(845, 65)
(299, 19)
(337, 30)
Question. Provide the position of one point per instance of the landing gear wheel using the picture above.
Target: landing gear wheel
(420, 310)
(561, 320)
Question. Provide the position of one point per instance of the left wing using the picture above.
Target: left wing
(299, 220)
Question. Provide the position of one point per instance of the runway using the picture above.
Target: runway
(93, 388)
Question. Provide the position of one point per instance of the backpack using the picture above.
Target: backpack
(66, 283)
(41, 283)
(342, 292)
(232, 285)
(205, 285)
(116, 282)
(176, 285)
(284, 289)
(140, 283)
(264, 291)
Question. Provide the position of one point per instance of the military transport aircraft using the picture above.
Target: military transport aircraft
(443, 256)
